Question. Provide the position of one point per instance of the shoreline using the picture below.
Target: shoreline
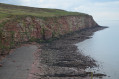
(60, 59)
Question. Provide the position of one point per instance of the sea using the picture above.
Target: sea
(104, 48)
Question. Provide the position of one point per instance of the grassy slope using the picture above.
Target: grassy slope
(7, 10)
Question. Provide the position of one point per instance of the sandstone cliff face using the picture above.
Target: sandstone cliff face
(17, 30)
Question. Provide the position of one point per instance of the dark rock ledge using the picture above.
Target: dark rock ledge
(60, 59)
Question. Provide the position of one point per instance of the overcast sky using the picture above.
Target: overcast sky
(99, 9)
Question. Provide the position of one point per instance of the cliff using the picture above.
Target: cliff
(19, 24)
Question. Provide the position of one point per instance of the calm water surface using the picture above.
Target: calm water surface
(104, 48)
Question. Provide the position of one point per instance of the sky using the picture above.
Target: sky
(99, 9)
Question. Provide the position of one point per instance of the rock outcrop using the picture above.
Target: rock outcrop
(29, 28)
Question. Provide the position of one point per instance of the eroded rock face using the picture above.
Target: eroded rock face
(31, 28)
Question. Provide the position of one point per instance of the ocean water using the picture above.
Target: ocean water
(104, 48)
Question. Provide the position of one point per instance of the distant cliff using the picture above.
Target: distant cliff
(15, 29)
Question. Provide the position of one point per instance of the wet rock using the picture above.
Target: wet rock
(1, 65)
(61, 60)
(99, 74)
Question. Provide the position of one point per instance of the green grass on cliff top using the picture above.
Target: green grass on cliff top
(7, 10)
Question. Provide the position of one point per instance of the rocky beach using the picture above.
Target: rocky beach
(60, 59)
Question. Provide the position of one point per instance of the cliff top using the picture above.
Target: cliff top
(7, 10)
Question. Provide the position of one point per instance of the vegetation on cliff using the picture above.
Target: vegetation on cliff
(20, 24)
(12, 10)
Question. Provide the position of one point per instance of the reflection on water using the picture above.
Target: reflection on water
(104, 47)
